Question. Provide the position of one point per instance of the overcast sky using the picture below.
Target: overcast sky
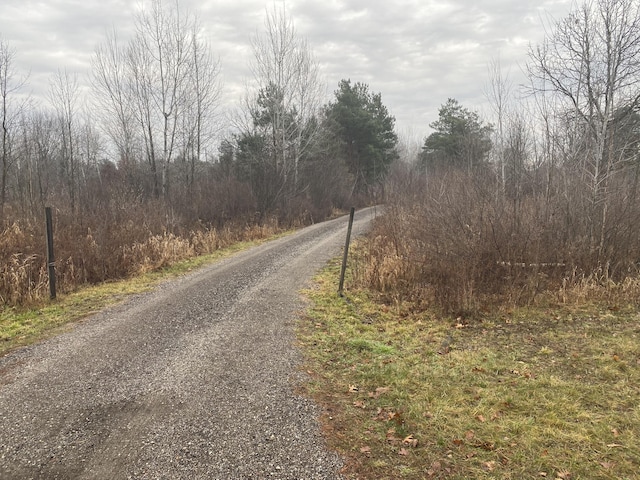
(417, 53)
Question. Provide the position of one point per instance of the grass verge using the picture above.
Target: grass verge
(24, 326)
(529, 393)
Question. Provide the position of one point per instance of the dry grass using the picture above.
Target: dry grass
(92, 254)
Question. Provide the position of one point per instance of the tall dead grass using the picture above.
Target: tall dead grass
(104, 249)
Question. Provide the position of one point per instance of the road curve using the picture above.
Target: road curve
(193, 380)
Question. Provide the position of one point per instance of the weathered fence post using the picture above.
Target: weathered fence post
(346, 252)
(51, 265)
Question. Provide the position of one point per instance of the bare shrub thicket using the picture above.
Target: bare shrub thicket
(553, 209)
(457, 241)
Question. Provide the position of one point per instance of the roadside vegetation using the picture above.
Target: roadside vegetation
(544, 391)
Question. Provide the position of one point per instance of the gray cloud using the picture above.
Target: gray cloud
(417, 53)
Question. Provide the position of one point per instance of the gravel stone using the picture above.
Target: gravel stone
(195, 380)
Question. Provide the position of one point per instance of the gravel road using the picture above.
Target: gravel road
(193, 380)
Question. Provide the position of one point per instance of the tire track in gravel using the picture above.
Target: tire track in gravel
(193, 380)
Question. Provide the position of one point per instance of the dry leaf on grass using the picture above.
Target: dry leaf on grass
(411, 441)
(379, 391)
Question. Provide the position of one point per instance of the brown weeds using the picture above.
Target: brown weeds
(96, 251)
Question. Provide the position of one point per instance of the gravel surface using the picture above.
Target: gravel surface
(193, 380)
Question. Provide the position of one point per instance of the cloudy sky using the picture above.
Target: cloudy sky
(417, 53)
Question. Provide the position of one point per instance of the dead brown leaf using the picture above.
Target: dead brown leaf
(379, 391)
(403, 451)
(411, 441)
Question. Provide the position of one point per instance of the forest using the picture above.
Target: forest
(539, 197)
(139, 172)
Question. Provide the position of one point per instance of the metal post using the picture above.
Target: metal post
(346, 252)
(50, 258)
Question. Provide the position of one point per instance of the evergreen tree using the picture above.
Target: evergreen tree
(365, 131)
(460, 139)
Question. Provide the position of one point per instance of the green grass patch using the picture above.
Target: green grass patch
(530, 393)
(23, 326)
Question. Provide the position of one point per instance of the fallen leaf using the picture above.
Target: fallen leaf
(411, 441)
(359, 404)
(564, 474)
(403, 451)
(542, 474)
(365, 449)
(480, 418)
(469, 435)
(353, 389)
(379, 391)
(490, 465)
(488, 446)
(615, 432)
(607, 465)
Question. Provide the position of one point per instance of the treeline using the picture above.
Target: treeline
(540, 204)
(139, 169)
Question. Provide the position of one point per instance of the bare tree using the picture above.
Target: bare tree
(591, 61)
(160, 91)
(63, 96)
(288, 94)
(498, 92)
(161, 55)
(9, 113)
(110, 79)
(202, 99)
